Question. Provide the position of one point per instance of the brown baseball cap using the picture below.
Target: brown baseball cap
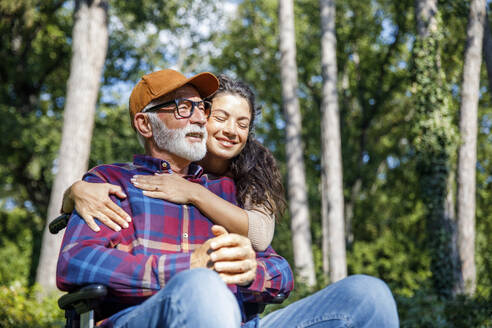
(160, 83)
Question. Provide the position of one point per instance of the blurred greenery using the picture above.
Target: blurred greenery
(21, 309)
(385, 206)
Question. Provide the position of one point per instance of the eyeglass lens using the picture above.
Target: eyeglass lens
(185, 107)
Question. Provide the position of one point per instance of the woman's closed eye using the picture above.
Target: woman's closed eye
(220, 118)
(243, 125)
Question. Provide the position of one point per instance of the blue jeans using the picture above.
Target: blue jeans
(194, 298)
(199, 298)
(356, 301)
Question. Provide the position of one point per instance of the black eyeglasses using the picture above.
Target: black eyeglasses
(183, 107)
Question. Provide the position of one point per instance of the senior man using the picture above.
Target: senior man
(160, 270)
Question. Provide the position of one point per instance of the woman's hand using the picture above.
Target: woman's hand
(170, 187)
(92, 201)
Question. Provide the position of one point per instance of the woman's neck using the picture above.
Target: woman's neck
(215, 165)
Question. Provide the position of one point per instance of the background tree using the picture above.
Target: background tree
(435, 143)
(467, 157)
(89, 45)
(33, 72)
(334, 258)
(298, 206)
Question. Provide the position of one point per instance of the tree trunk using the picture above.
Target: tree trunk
(467, 159)
(435, 140)
(297, 191)
(349, 211)
(89, 47)
(425, 13)
(332, 182)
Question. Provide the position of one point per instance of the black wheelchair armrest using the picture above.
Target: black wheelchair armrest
(253, 309)
(59, 223)
(279, 299)
(84, 299)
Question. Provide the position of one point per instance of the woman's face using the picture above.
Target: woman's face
(228, 126)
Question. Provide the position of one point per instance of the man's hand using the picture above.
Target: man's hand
(230, 255)
(200, 258)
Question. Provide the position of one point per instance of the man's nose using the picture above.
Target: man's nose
(198, 117)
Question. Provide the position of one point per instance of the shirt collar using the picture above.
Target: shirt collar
(157, 165)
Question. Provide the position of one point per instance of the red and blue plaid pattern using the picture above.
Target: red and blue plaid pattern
(136, 262)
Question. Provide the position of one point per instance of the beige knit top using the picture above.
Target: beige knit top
(261, 225)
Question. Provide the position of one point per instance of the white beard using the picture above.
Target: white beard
(174, 140)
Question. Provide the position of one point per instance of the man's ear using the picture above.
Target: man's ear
(142, 125)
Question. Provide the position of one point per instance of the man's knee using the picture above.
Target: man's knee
(206, 293)
(373, 298)
(368, 287)
(197, 281)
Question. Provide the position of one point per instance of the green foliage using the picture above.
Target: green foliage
(114, 139)
(34, 68)
(427, 310)
(484, 195)
(18, 233)
(394, 259)
(15, 246)
(434, 131)
(20, 309)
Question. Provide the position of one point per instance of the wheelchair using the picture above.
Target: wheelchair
(82, 306)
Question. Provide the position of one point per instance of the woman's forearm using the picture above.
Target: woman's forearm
(220, 211)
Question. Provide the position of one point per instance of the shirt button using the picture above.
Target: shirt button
(185, 235)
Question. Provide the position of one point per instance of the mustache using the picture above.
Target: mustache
(192, 128)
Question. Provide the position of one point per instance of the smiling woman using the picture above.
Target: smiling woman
(231, 151)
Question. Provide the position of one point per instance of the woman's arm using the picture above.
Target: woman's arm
(91, 200)
(261, 226)
(253, 223)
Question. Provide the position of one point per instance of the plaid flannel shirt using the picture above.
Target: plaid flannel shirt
(136, 262)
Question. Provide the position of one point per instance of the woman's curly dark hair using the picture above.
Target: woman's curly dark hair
(254, 169)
